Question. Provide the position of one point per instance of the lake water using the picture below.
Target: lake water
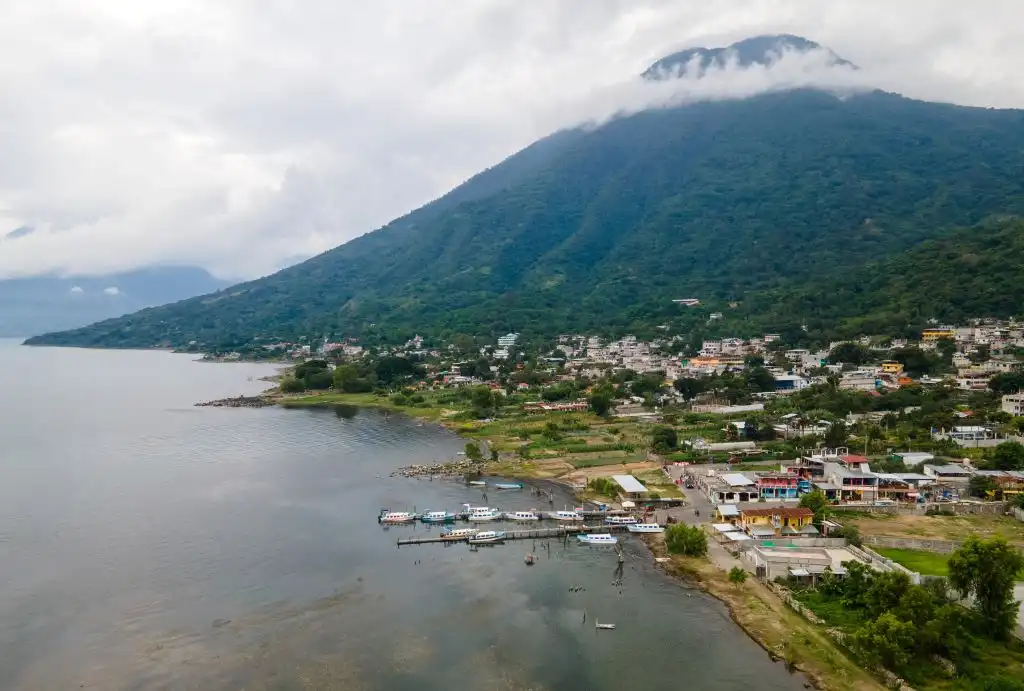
(149, 544)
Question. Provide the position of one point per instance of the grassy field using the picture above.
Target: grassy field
(935, 527)
(927, 563)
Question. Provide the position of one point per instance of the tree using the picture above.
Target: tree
(1008, 456)
(551, 431)
(887, 641)
(494, 455)
(291, 385)
(600, 402)
(318, 380)
(987, 570)
(483, 400)
(759, 379)
(850, 352)
(688, 540)
(689, 387)
(817, 502)
(1007, 382)
(981, 486)
(737, 575)
(473, 451)
(664, 439)
(836, 435)
(852, 535)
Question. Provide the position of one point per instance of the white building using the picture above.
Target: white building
(508, 340)
(1013, 404)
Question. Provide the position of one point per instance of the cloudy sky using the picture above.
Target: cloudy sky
(242, 136)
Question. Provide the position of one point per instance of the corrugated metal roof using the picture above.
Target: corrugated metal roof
(737, 480)
(729, 510)
(724, 527)
(737, 536)
(628, 483)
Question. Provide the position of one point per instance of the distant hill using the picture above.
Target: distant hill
(35, 305)
(759, 50)
(754, 201)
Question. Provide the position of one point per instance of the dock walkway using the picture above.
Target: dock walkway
(536, 533)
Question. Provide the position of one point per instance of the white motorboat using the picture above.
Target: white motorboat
(522, 516)
(438, 517)
(620, 520)
(487, 537)
(478, 483)
(457, 534)
(606, 627)
(565, 516)
(645, 528)
(598, 539)
(395, 517)
(484, 514)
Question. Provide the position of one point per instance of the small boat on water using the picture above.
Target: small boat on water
(487, 537)
(508, 485)
(598, 539)
(645, 528)
(478, 483)
(530, 560)
(620, 520)
(565, 516)
(522, 516)
(606, 627)
(483, 513)
(395, 517)
(438, 517)
(458, 534)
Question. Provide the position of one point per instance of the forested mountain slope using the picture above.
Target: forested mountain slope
(780, 195)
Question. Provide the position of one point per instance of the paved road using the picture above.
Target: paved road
(697, 500)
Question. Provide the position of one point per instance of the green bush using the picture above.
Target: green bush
(690, 541)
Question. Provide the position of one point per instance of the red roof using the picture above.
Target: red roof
(853, 458)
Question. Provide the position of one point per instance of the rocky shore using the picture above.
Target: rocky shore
(456, 467)
(239, 402)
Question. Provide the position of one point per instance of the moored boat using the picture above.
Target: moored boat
(606, 627)
(393, 517)
(478, 483)
(438, 517)
(598, 539)
(645, 528)
(565, 516)
(487, 537)
(457, 534)
(484, 514)
(620, 520)
(522, 516)
(508, 485)
(530, 559)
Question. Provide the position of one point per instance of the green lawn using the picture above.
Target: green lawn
(926, 563)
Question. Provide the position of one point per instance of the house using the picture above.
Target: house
(892, 367)
(849, 485)
(780, 521)
(730, 488)
(970, 436)
(860, 380)
(1013, 404)
(508, 340)
(912, 458)
(790, 382)
(950, 473)
(1008, 483)
(932, 335)
(774, 486)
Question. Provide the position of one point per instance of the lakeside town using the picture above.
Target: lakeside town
(872, 465)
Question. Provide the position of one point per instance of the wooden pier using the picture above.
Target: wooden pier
(535, 534)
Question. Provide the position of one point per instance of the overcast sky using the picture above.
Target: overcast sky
(242, 136)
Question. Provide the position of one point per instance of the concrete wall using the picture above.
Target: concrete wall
(940, 546)
(991, 508)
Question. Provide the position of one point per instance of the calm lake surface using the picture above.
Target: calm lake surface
(148, 544)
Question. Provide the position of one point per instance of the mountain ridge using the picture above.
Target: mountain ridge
(599, 228)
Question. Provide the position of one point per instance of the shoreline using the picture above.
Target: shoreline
(760, 614)
(768, 621)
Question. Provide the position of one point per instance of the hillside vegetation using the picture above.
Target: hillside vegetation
(797, 205)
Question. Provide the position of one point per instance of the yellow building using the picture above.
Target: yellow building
(890, 367)
(782, 521)
(932, 335)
